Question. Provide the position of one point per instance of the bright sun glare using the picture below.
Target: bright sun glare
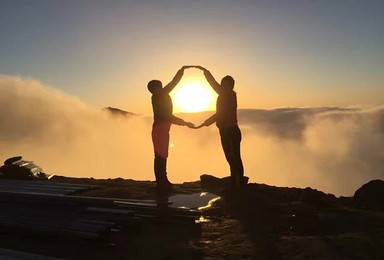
(193, 97)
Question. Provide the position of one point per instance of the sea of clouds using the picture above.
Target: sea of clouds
(333, 149)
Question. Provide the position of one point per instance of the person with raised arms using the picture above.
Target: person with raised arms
(163, 118)
(226, 121)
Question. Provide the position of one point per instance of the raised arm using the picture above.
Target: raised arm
(211, 80)
(176, 79)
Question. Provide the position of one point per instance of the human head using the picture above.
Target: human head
(154, 86)
(227, 83)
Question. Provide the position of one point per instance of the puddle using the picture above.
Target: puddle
(199, 200)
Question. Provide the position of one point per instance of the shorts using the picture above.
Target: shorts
(160, 139)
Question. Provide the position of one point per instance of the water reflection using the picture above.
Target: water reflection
(210, 203)
(198, 200)
(202, 219)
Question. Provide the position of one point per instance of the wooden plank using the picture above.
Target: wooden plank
(82, 216)
(44, 187)
(48, 183)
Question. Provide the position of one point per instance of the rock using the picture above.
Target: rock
(227, 181)
(12, 160)
(10, 171)
(370, 195)
(212, 182)
(357, 246)
(16, 168)
(306, 247)
(348, 245)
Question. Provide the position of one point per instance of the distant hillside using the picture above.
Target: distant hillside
(118, 112)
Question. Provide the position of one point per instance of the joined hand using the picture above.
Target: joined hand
(193, 66)
(197, 127)
(190, 125)
(200, 67)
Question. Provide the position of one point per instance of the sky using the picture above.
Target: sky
(281, 53)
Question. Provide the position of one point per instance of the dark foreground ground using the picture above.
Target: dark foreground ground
(257, 222)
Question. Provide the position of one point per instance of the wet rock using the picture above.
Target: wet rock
(370, 195)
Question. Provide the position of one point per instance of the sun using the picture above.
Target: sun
(193, 97)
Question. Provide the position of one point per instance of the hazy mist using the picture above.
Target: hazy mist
(332, 149)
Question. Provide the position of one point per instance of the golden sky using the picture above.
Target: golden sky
(281, 53)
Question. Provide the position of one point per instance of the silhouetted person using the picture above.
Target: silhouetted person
(226, 121)
(163, 118)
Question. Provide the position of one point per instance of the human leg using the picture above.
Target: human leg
(236, 160)
(160, 138)
(227, 144)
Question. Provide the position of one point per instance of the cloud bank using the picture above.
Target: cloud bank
(333, 149)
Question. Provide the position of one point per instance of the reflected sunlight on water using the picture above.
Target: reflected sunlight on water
(198, 200)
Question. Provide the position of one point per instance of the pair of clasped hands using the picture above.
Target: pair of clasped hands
(192, 126)
(188, 124)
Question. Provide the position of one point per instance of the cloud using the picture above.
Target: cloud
(334, 149)
(285, 123)
(65, 136)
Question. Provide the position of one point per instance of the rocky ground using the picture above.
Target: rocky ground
(255, 222)
(266, 222)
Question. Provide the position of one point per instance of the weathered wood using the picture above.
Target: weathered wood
(43, 187)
